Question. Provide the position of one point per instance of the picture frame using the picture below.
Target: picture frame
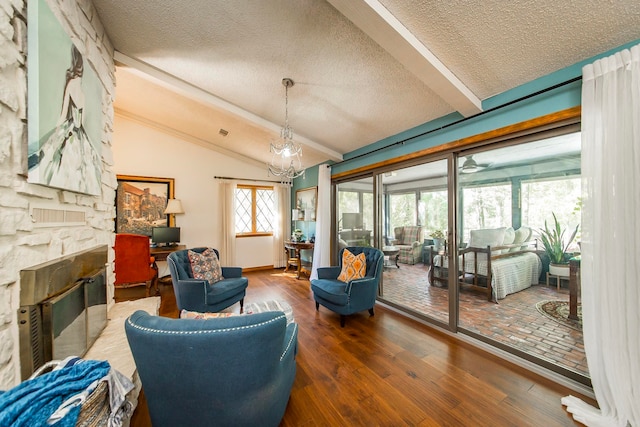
(307, 199)
(140, 203)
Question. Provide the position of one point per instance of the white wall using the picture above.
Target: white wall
(141, 149)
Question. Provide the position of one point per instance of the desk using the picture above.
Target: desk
(161, 253)
(294, 258)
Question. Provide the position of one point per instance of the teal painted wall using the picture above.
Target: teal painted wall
(559, 99)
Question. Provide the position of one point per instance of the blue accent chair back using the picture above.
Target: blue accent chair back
(354, 296)
(200, 295)
(226, 371)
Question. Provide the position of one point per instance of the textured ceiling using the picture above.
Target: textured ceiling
(363, 70)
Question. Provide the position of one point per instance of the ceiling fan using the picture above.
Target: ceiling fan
(471, 166)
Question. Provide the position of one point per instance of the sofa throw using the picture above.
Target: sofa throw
(205, 266)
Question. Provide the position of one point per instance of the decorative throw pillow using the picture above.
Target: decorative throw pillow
(487, 237)
(523, 234)
(205, 266)
(185, 314)
(353, 266)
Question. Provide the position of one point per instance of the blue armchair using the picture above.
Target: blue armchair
(200, 295)
(226, 371)
(354, 296)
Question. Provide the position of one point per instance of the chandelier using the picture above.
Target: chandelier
(285, 153)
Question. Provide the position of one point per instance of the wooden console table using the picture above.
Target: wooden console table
(294, 257)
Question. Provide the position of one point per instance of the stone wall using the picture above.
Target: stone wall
(23, 244)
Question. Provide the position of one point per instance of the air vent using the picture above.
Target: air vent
(223, 132)
(57, 216)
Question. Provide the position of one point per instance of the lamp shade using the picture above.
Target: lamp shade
(174, 206)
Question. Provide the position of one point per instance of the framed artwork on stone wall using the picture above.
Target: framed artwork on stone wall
(65, 119)
(140, 203)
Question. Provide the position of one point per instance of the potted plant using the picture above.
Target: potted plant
(297, 235)
(555, 246)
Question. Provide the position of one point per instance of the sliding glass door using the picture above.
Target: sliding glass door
(463, 249)
(415, 209)
(508, 296)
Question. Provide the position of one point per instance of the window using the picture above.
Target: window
(433, 209)
(543, 198)
(402, 209)
(255, 210)
(487, 206)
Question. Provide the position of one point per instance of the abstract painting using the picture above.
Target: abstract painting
(65, 108)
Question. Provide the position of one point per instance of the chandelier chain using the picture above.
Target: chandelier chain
(286, 154)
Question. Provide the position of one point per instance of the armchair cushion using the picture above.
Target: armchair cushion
(205, 265)
(353, 266)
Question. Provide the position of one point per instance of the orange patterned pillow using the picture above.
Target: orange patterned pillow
(353, 266)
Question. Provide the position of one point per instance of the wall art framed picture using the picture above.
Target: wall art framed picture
(306, 200)
(140, 203)
(64, 108)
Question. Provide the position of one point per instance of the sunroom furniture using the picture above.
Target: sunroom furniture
(391, 255)
(498, 268)
(408, 240)
(226, 371)
(200, 294)
(134, 266)
(350, 297)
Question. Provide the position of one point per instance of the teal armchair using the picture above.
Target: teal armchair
(354, 296)
(200, 295)
(226, 371)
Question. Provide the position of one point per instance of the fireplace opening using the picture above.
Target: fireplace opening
(63, 307)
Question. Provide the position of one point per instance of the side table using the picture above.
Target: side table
(391, 252)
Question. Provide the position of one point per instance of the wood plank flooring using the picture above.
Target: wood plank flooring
(386, 370)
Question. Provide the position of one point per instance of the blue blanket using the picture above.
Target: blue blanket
(33, 401)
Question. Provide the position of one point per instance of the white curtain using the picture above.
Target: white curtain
(322, 246)
(282, 226)
(228, 249)
(610, 239)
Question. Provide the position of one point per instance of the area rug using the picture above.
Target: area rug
(559, 311)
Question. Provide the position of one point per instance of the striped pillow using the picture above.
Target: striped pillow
(353, 266)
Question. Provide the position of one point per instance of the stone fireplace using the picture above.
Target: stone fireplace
(25, 240)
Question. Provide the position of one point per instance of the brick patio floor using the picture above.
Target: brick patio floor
(514, 321)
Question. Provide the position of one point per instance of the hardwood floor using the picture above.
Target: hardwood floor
(386, 370)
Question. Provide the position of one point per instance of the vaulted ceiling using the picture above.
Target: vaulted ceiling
(363, 70)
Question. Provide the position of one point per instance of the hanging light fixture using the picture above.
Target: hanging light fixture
(286, 154)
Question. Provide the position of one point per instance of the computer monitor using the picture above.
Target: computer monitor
(165, 236)
(351, 221)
